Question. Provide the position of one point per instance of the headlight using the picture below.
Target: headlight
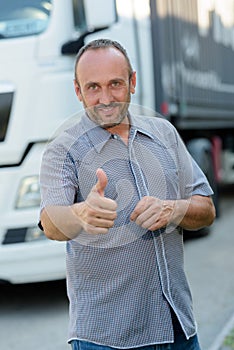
(28, 193)
(34, 234)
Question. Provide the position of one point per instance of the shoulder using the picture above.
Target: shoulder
(65, 139)
(158, 122)
(158, 127)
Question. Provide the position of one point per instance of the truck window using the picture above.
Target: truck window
(24, 17)
(79, 15)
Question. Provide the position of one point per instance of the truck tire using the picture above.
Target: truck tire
(201, 151)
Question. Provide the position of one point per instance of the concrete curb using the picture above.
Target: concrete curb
(217, 344)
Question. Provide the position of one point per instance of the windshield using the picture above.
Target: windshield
(24, 17)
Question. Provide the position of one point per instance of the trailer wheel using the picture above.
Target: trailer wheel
(212, 181)
(201, 151)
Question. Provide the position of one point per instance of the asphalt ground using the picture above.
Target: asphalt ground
(36, 316)
(209, 262)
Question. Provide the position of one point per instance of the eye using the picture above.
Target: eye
(92, 87)
(117, 84)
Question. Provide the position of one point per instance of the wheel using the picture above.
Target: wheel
(201, 151)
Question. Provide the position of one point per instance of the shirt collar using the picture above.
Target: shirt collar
(140, 124)
(99, 136)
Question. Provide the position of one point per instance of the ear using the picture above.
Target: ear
(133, 83)
(77, 90)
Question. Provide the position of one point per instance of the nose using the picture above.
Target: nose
(105, 96)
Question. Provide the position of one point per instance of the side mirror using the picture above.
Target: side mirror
(100, 13)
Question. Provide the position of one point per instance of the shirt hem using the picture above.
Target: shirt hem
(120, 347)
(131, 346)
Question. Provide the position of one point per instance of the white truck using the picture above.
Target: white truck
(176, 75)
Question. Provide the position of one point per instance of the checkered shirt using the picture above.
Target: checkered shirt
(121, 285)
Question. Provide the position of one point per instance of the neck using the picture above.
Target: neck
(121, 129)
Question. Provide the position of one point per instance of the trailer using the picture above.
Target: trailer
(183, 53)
(193, 50)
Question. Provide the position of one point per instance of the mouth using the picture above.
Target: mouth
(109, 115)
(107, 110)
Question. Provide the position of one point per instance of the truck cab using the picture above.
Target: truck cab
(34, 79)
(38, 44)
(183, 56)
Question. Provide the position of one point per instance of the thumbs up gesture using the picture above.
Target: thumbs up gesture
(101, 183)
(97, 213)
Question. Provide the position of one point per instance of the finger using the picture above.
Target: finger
(146, 220)
(141, 206)
(154, 223)
(100, 222)
(95, 230)
(134, 215)
(98, 205)
(102, 182)
(97, 226)
(102, 213)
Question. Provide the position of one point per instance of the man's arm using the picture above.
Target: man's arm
(95, 215)
(59, 223)
(191, 214)
(194, 213)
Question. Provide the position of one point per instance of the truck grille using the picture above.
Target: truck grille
(15, 236)
(5, 110)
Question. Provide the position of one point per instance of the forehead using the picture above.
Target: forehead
(96, 63)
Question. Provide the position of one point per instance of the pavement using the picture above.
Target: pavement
(209, 263)
(226, 331)
(39, 313)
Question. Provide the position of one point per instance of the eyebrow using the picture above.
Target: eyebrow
(90, 83)
(110, 81)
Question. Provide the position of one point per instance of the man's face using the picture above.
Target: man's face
(104, 85)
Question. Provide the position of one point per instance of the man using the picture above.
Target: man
(120, 188)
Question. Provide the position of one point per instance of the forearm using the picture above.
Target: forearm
(193, 213)
(96, 215)
(59, 223)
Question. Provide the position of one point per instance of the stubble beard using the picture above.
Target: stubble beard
(99, 113)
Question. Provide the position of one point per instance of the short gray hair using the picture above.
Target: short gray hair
(100, 44)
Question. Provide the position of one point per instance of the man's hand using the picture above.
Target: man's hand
(97, 213)
(152, 213)
(191, 214)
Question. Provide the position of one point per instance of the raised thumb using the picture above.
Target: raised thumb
(102, 181)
